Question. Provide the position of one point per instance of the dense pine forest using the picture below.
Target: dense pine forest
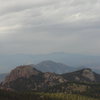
(67, 91)
(81, 88)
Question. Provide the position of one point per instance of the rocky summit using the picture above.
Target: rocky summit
(24, 71)
(26, 77)
(84, 75)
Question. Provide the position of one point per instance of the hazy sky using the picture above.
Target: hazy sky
(45, 26)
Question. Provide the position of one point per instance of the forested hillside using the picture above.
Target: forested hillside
(41, 96)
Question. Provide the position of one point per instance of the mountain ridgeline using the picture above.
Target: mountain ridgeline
(28, 78)
(51, 66)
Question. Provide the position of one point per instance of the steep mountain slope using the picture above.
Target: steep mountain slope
(24, 71)
(51, 66)
(28, 78)
(84, 75)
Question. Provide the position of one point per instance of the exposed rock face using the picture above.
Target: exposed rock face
(22, 72)
(84, 75)
(28, 78)
(53, 78)
(87, 73)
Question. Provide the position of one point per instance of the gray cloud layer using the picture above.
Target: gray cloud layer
(44, 26)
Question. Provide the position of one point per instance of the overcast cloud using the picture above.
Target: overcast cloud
(45, 26)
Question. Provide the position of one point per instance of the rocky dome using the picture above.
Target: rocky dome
(24, 71)
(88, 73)
(84, 75)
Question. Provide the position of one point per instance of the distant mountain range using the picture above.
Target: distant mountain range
(51, 66)
(8, 62)
(2, 76)
(28, 78)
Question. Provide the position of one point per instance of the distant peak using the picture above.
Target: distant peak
(47, 62)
